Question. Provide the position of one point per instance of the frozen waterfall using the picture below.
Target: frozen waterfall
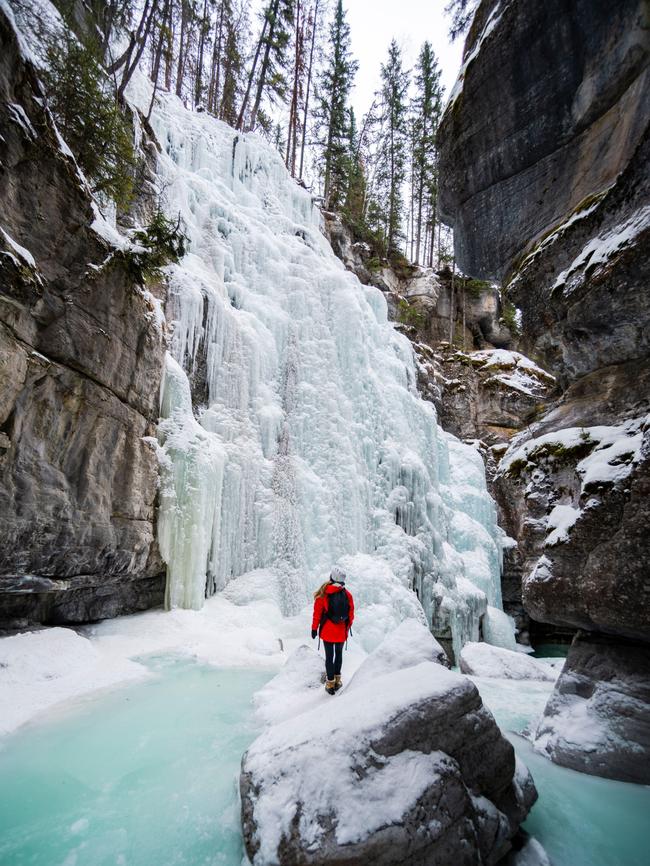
(293, 435)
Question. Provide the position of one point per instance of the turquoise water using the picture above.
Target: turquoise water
(146, 776)
(581, 820)
(142, 776)
(551, 650)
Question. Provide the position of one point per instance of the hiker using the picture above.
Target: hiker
(332, 620)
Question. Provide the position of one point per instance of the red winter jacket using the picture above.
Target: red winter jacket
(333, 632)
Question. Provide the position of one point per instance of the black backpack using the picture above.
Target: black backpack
(338, 607)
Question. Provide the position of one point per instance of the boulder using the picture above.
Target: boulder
(407, 766)
(598, 718)
(484, 660)
(531, 853)
(489, 395)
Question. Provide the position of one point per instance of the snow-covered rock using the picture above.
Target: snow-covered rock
(410, 644)
(294, 689)
(43, 668)
(532, 853)
(484, 660)
(408, 766)
(598, 718)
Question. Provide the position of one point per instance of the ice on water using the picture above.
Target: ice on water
(312, 443)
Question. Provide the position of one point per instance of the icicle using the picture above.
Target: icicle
(312, 444)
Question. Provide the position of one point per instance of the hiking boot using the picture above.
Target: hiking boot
(330, 687)
(337, 683)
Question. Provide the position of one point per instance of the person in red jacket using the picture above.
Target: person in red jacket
(332, 620)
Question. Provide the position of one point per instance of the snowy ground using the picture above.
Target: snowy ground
(41, 669)
(45, 668)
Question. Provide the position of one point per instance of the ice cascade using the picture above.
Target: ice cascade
(293, 436)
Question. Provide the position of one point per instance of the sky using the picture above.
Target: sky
(373, 23)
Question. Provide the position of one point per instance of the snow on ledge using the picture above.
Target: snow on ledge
(493, 20)
(22, 252)
(597, 252)
(611, 454)
(559, 522)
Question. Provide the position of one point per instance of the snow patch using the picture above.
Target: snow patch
(43, 668)
(24, 253)
(613, 452)
(600, 249)
(17, 113)
(492, 22)
(559, 522)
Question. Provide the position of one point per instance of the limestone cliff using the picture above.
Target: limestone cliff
(544, 166)
(81, 356)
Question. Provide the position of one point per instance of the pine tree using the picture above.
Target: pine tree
(162, 38)
(426, 112)
(226, 64)
(353, 209)
(296, 89)
(205, 27)
(224, 14)
(82, 99)
(233, 64)
(393, 147)
(334, 92)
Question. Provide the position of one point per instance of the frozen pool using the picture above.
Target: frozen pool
(146, 776)
(142, 776)
(581, 820)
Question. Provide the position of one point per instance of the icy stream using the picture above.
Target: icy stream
(146, 774)
(580, 820)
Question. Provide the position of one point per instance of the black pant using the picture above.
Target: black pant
(333, 659)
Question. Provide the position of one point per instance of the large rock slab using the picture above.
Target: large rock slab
(598, 718)
(552, 104)
(81, 359)
(550, 195)
(484, 660)
(404, 767)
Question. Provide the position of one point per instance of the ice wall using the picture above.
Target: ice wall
(311, 444)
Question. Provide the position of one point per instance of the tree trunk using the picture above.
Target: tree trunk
(142, 36)
(180, 67)
(433, 232)
(311, 61)
(205, 26)
(265, 64)
(464, 346)
(158, 54)
(215, 76)
(290, 159)
(251, 77)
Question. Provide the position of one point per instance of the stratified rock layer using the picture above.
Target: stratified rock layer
(545, 152)
(80, 365)
(553, 104)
